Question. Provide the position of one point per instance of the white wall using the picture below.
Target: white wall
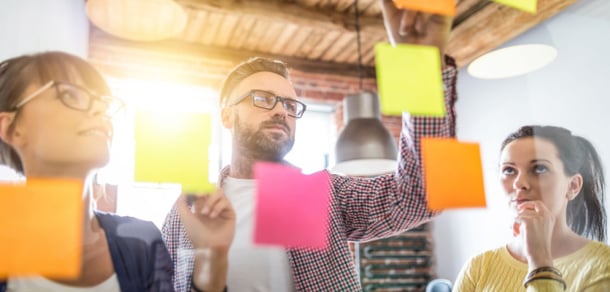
(573, 92)
(30, 26)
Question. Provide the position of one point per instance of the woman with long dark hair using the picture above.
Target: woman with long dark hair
(554, 182)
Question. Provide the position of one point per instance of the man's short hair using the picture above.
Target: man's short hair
(247, 68)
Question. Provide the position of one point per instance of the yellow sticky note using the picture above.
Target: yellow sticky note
(409, 79)
(444, 7)
(172, 147)
(525, 5)
(41, 228)
(453, 174)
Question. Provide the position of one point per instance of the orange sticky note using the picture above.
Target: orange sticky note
(444, 7)
(172, 147)
(453, 174)
(525, 5)
(41, 228)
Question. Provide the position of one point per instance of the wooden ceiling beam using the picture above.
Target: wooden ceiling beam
(481, 26)
(290, 13)
(494, 25)
(466, 8)
(157, 52)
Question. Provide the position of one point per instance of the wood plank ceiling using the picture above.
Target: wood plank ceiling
(323, 31)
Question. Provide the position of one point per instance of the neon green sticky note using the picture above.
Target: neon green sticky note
(409, 79)
(525, 5)
(173, 148)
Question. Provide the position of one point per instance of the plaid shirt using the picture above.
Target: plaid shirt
(362, 209)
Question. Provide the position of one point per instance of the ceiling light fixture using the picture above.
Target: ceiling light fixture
(512, 61)
(138, 20)
(364, 147)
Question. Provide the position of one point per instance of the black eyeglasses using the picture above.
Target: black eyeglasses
(267, 100)
(76, 97)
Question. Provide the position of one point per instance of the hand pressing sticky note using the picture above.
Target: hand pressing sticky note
(291, 208)
(409, 80)
(525, 5)
(444, 7)
(453, 174)
(41, 228)
(172, 147)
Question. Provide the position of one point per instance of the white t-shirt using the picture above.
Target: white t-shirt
(37, 283)
(253, 267)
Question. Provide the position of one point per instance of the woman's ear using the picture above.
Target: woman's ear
(6, 120)
(574, 186)
(226, 114)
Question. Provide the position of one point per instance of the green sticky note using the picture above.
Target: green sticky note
(409, 79)
(173, 148)
(525, 5)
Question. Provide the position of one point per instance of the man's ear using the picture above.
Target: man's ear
(575, 186)
(6, 120)
(226, 114)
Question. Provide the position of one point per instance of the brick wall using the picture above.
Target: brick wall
(139, 63)
(333, 89)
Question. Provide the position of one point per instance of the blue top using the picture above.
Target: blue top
(139, 256)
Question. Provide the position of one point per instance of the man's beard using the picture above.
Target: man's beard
(260, 145)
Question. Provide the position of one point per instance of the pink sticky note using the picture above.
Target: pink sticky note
(291, 208)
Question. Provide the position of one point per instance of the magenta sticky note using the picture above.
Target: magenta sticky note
(291, 208)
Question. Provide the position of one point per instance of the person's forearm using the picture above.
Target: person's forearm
(210, 271)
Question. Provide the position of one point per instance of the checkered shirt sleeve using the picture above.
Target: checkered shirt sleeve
(386, 205)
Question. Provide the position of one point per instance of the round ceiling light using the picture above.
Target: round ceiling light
(138, 20)
(512, 61)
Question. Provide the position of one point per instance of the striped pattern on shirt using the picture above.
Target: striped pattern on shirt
(587, 269)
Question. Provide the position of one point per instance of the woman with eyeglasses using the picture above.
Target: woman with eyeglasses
(55, 112)
(554, 183)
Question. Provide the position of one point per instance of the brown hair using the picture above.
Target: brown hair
(18, 73)
(585, 213)
(247, 68)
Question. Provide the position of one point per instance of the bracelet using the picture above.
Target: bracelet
(545, 269)
(546, 275)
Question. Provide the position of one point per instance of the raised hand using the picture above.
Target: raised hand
(535, 224)
(209, 222)
(414, 27)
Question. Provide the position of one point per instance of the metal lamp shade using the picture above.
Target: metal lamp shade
(365, 147)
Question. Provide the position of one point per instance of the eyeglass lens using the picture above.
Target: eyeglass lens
(268, 100)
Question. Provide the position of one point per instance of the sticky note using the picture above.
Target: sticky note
(525, 5)
(41, 228)
(173, 147)
(444, 7)
(453, 174)
(291, 208)
(409, 79)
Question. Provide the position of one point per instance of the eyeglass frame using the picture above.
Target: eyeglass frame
(277, 98)
(93, 97)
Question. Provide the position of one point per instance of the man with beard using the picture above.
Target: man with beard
(260, 107)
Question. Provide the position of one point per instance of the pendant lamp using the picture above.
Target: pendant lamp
(364, 147)
(138, 20)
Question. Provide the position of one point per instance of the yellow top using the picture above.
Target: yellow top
(587, 269)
